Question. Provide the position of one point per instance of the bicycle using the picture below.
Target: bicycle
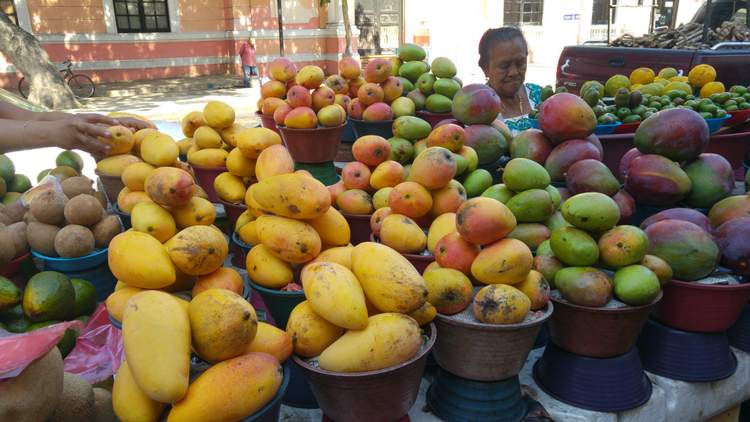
(81, 85)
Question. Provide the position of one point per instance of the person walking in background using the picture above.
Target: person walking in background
(249, 68)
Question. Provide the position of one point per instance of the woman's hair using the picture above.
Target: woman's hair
(495, 35)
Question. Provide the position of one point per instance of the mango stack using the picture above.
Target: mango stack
(431, 87)
(299, 100)
(571, 256)
(363, 310)
(210, 135)
(381, 96)
(13, 184)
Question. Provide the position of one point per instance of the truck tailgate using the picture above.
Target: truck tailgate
(579, 64)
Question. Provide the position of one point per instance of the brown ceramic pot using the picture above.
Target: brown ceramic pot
(205, 177)
(359, 225)
(112, 186)
(310, 146)
(267, 122)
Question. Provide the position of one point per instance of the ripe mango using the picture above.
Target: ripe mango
(450, 291)
(209, 157)
(129, 402)
(500, 304)
(332, 227)
(152, 218)
(197, 212)
(207, 137)
(292, 195)
(229, 188)
(191, 122)
(127, 200)
(116, 301)
(341, 255)
(222, 324)
(159, 149)
(140, 260)
(402, 234)
(249, 233)
(265, 269)
(231, 390)
(389, 339)
(388, 279)
(293, 241)
(116, 164)
(223, 278)
(218, 114)
(273, 161)
(134, 175)
(271, 340)
(251, 142)
(507, 261)
(442, 225)
(239, 165)
(536, 288)
(170, 186)
(425, 314)
(154, 321)
(335, 294)
(198, 250)
(311, 333)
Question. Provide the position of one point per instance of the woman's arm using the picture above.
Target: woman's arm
(73, 132)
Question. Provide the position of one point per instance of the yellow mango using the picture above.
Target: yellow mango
(209, 157)
(218, 114)
(222, 324)
(229, 188)
(507, 261)
(116, 301)
(252, 205)
(450, 291)
(197, 212)
(138, 137)
(129, 402)
(249, 233)
(341, 255)
(182, 283)
(432, 266)
(120, 285)
(243, 219)
(311, 333)
(388, 279)
(185, 144)
(291, 240)
(231, 390)
(536, 288)
(140, 260)
(229, 134)
(253, 141)
(207, 137)
(239, 165)
(191, 122)
(425, 314)
(198, 250)
(159, 149)
(134, 175)
(292, 195)
(184, 303)
(265, 269)
(116, 164)
(153, 219)
(274, 341)
(402, 234)
(500, 304)
(127, 200)
(442, 225)
(335, 294)
(332, 227)
(273, 161)
(156, 339)
(389, 339)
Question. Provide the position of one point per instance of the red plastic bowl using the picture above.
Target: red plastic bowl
(419, 261)
(233, 212)
(433, 118)
(737, 117)
(205, 177)
(702, 308)
(13, 266)
(267, 122)
(359, 225)
(627, 127)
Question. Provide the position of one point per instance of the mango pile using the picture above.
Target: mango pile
(12, 185)
(432, 86)
(363, 309)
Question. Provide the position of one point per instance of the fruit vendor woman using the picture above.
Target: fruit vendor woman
(503, 54)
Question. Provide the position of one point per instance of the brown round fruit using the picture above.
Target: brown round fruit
(73, 241)
(84, 210)
(105, 230)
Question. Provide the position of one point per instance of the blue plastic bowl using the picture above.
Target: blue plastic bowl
(606, 129)
(716, 123)
(348, 136)
(65, 265)
(362, 128)
(239, 251)
(600, 384)
(739, 334)
(686, 356)
(279, 302)
(124, 217)
(115, 323)
(457, 399)
(271, 411)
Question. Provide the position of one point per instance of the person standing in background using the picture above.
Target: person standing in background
(249, 67)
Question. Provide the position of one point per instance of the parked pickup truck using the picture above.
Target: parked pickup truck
(597, 61)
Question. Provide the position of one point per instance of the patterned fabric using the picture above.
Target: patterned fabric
(521, 123)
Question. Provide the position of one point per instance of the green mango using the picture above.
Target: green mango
(477, 182)
(443, 67)
(636, 285)
(574, 247)
(412, 70)
(437, 103)
(447, 87)
(425, 83)
(411, 52)
(499, 192)
(591, 211)
(531, 206)
(584, 286)
(522, 174)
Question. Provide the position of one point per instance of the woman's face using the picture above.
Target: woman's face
(506, 68)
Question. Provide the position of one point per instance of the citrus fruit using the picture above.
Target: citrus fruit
(712, 88)
(661, 81)
(668, 72)
(677, 86)
(642, 75)
(701, 75)
(615, 83)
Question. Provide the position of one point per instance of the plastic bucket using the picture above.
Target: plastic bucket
(205, 177)
(362, 128)
(359, 225)
(299, 393)
(233, 212)
(317, 145)
(433, 118)
(92, 260)
(279, 302)
(239, 251)
(739, 334)
(267, 121)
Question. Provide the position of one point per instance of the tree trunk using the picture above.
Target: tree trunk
(46, 87)
(347, 28)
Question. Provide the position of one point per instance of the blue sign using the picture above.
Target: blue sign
(572, 17)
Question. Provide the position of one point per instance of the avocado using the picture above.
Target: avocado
(732, 107)
(68, 341)
(623, 112)
(15, 320)
(607, 119)
(635, 99)
(744, 105)
(622, 98)
(49, 295)
(632, 118)
(706, 115)
(560, 89)
(598, 110)
(639, 110)
(10, 295)
(708, 108)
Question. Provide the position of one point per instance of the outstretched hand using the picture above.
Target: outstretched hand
(135, 124)
(80, 131)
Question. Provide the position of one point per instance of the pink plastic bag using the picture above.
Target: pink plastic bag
(17, 351)
(99, 351)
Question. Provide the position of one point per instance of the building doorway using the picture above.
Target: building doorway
(379, 24)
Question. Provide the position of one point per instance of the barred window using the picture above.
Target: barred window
(523, 12)
(142, 15)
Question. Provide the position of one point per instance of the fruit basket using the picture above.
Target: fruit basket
(603, 385)
(267, 121)
(597, 332)
(359, 226)
(380, 395)
(485, 352)
(317, 145)
(205, 177)
(362, 128)
(279, 302)
(433, 118)
(685, 356)
(92, 260)
(702, 308)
